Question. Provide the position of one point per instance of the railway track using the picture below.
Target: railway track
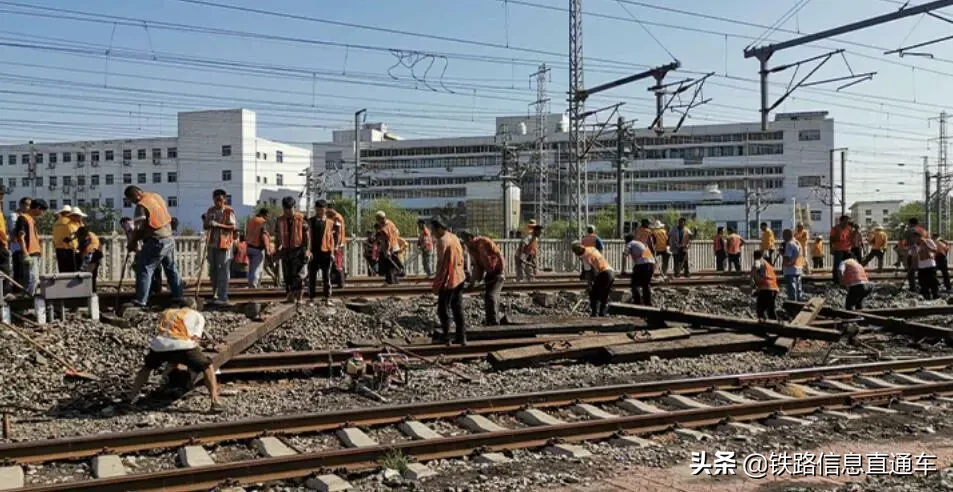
(775, 398)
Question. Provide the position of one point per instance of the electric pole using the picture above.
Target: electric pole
(357, 166)
(619, 182)
(747, 210)
(942, 171)
(926, 192)
(542, 106)
(843, 183)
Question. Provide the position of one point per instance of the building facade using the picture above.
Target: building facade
(212, 149)
(875, 212)
(726, 173)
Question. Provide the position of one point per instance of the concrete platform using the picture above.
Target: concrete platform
(479, 424)
(107, 465)
(272, 447)
(328, 483)
(537, 418)
(418, 430)
(353, 437)
(194, 456)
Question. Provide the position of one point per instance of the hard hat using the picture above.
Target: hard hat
(65, 210)
(78, 211)
(381, 214)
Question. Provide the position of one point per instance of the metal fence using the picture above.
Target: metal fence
(555, 256)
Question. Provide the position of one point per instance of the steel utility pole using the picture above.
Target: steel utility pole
(926, 192)
(942, 171)
(542, 107)
(764, 53)
(747, 210)
(843, 182)
(357, 166)
(619, 182)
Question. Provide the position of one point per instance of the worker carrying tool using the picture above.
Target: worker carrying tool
(733, 245)
(338, 265)
(448, 281)
(177, 343)
(766, 281)
(878, 247)
(152, 228)
(325, 238)
(643, 269)
(425, 246)
(527, 262)
(485, 264)
(602, 280)
(854, 278)
(291, 231)
(389, 263)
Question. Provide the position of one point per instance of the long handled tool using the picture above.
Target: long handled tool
(122, 277)
(198, 283)
(14, 282)
(70, 370)
(430, 361)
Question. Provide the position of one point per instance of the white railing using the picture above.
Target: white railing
(555, 256)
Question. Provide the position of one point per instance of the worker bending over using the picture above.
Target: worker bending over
(291, 230)
(602, 278)
(643, 268)
(220, 222)
(942, 253)
(766, 281)
(448, 282)
(878, 247)
(527, 262)
(388, 258)
(733, 245)
(152, 229)
(177, 343)
(853, 277)
(485, 265)
(325, 237)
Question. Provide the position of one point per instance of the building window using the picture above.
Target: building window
(141, 178)
(12, 182)
(156, 154)
(80, 157)
(24, 181)
(809, 135)
(257, 155)
(815, 215)
(52, 157)
(110, 179)
(280, 179)
(52, 180)
(67, 157)
(67, 180)
(886, 212)
(171, 177)
(81, 180)
(273, 201)
(110, 203)
(81, 202)
(226, 175)
(279, 156)
(228, 199)
(172, 201)
(226, 150)
(94, 203)
(94, 180)
(12, 159)
(869, 221)
(94, 156)
(868, 212)
(67, 201)
(808, 181)
(39, 180)
(38, 158)
(156, 177)
(53, 204)
(140, 154)
(25, 159)
(126, 203)
(127, 178)
(110, 155)
(172, 152)
(264, 179)
(258, 179)
(127, 154)
(264, 156)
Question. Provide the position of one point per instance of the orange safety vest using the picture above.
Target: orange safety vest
(32, 238)
(799, 262)
(589, 240)
(841, 238)
(158, 211)
(854, 273)
(291, 238)
(92, 244)
(646, 256)
(643, 236)
(719, 243)
(593, 258)
(733, 244)
(226, 238)
(172, 324)
(425, 240)
(392, 234)
(802, 238)
(768, 281)
(327, 239)
(253, 232)
(878, 240)
(450, 271)
(531, 249)
(241, 253)
(817, 249)
(661, 240)
(486, 255)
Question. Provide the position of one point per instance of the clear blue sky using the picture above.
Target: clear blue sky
(305, 87)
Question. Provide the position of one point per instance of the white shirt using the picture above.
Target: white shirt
(194, 323)
(792, 250)
(929, 262)
(636, 249)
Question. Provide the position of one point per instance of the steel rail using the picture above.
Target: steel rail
(296, 466)
(86, 446)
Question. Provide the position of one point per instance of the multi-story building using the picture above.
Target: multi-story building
(716, 172)
(212, 149)
(874, 212)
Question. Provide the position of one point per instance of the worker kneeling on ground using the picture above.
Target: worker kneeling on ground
(603, 278)
(766, 280)
(853, 277)
(177, 343)
(486, 265)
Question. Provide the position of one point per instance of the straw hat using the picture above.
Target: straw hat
(658, 224)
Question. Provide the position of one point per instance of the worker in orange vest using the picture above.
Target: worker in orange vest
(643, 268)
(221, 225)
(926, 250)
(294, 241)
(153, 230)
(602, 279)
(913, 230)
(448, 282)
(389, 263)
(766, 281)
(338, 265)
(528, 258)
(718, 245)
(660, 245)
(485, 264)
(801, 235)
(942, 253)
(878, 247)
(733, 244)
(592, 240)
(240, 261)
(425, 245)
(325, 238)
(258, 246)
(853, 277)
(840, 244)
(792, 260)
(817, 252)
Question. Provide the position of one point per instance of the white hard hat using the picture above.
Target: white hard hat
(78, 211)
(381, 214)
(65, 210)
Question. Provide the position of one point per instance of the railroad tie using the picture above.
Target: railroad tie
(11, 477)
(353, 437)
(692, 434)
(744, 427)
(785, 420)
(937, 376)
(272, 447)
(876, 382)
(417, 471)
(685, 402)
(768, 394)
(731, 398)
(943, 399)
(803, 389)
(194, 456)
(910, 406)
(536, 418)
(492, 459)
(633, 442)
(878, 410)
(833, 384)
(568, 450)
(328, 483)
(418, 430)
(479, 424)
(639, 406)
(593, 411)
(107, 465)
(907, 379)
(834, 414)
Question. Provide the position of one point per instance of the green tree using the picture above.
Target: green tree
(103, 221)
(44, 223)
(405, 220)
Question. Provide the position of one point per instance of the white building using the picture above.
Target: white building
(874, 212)
(213, 149)
(701, 171)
